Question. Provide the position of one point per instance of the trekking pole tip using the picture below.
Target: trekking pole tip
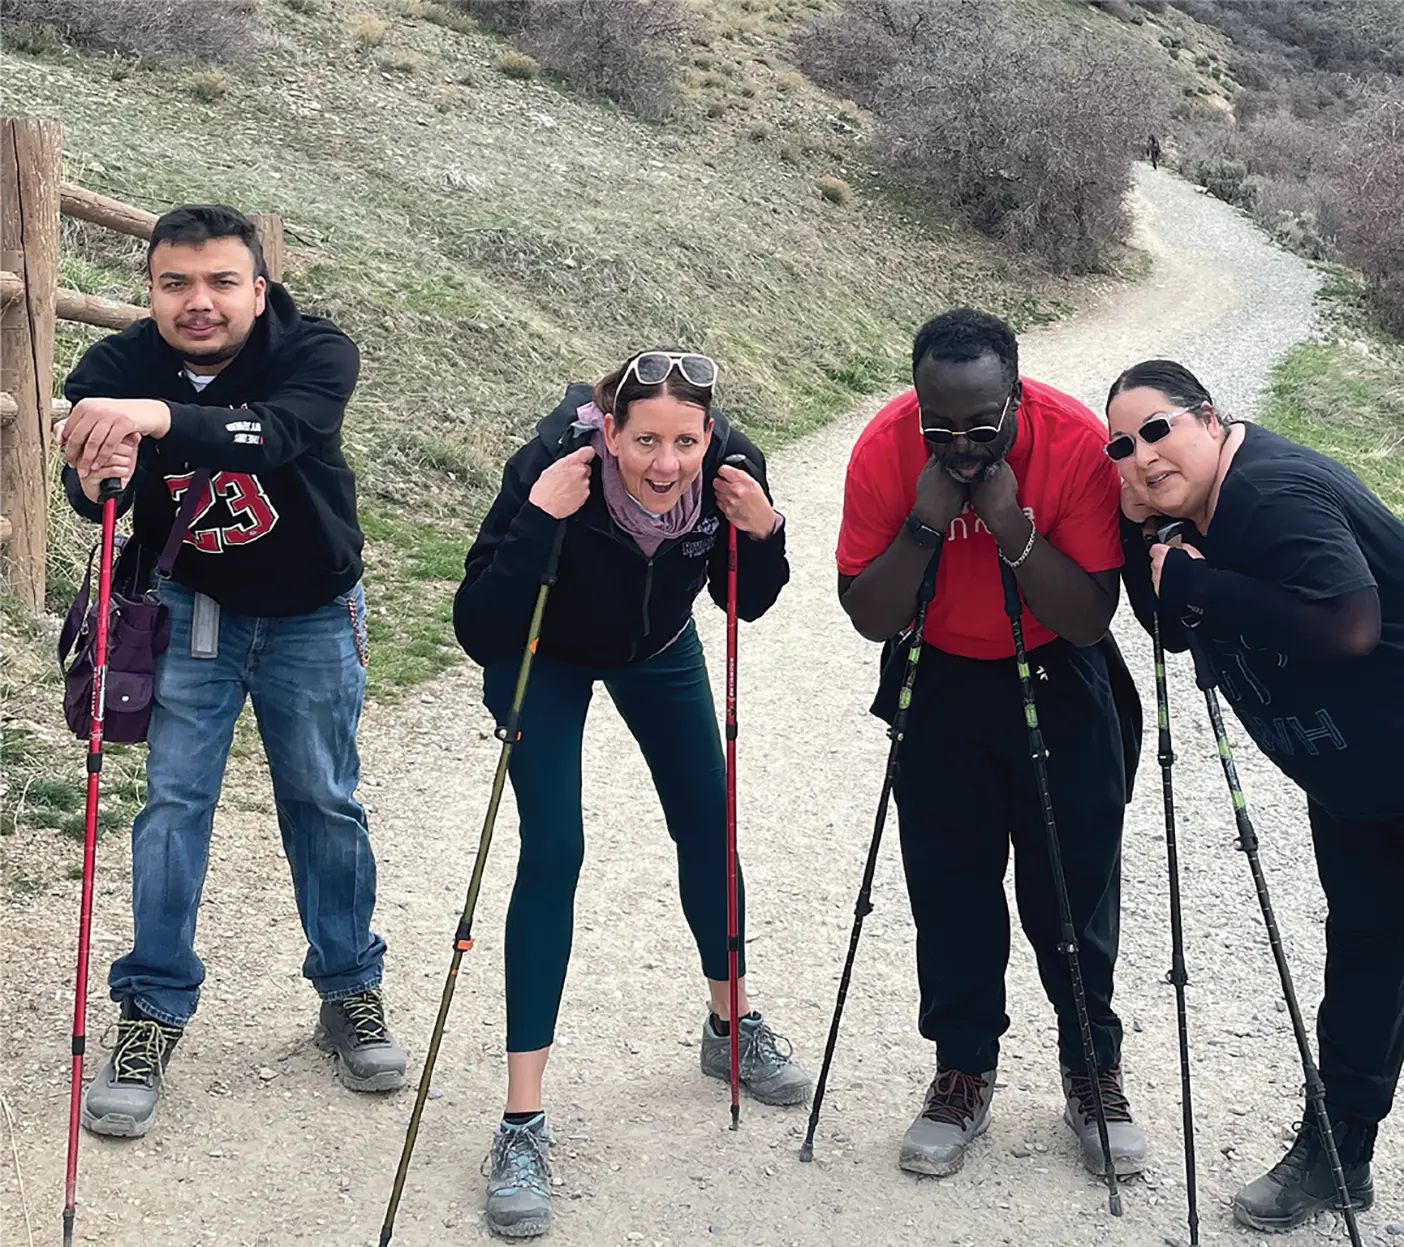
(1116, 1203)
(385, 1233)
(68, 1227)
(736, 1117)
(806, 1153)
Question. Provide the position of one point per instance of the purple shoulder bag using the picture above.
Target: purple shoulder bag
(138, 633)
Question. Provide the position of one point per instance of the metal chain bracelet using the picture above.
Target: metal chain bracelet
(1028, 546)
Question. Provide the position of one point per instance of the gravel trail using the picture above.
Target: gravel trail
(256, 1143)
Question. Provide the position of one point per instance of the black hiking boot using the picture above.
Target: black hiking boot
(1301, 1185)
(121, 1101)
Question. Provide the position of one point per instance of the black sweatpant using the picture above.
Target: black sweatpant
(965, 790)
(1360, 1025)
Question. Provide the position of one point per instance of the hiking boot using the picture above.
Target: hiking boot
(519, 1190)
(121, 1101)
(1301, 1185)
(769, 1074)
(957, 1110)
(354, 1029)
(1124, 1136)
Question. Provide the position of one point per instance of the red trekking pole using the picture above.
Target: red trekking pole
(108, 491)
(732, 924)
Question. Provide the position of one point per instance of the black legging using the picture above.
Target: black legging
(667, 704)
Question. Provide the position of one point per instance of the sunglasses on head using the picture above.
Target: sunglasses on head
(654, 367)
(1123, 446)
(942, 435)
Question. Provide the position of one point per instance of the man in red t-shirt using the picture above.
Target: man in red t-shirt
(982, 464)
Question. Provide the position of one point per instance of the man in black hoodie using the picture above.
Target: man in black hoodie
(227, 389)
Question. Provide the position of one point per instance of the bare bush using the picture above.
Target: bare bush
(626, 51)
(1029, 140)
(504, 16)
(1373, 182)
(621, 50)
(854, 50)
(162, 29)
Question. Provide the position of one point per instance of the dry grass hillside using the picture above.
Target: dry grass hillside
(487, 234)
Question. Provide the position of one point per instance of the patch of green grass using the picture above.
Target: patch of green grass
(1347, 404)
(1344, 395)
(55, 794)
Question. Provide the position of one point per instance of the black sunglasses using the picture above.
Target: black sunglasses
(941, 435)
(1123, 446)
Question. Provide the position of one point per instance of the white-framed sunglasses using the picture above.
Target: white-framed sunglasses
(654, 367)
(1123, 446)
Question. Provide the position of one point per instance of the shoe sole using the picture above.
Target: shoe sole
(1360, 1203)
(532, 1227)
(115, 1125)
(915, 1162)
(386, 1080)
(799, 1096)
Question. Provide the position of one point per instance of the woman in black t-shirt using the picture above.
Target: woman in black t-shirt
(1291, 585)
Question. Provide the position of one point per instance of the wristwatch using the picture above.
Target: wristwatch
(920, 533)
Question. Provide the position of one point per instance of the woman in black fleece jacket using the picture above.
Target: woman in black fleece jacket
(647, 507)
(1289, 589)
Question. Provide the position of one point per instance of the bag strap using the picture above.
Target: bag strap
(194, 496)
(77, 621)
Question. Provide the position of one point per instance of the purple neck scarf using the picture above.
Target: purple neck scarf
(646, 528)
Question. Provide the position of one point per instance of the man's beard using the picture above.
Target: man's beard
(220, 355)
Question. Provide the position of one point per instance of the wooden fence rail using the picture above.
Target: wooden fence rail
(33, 196)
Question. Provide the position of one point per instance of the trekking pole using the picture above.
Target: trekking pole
(1178, 974)
(575, 437)
(864, 905)
(1013, 607)
(108, 492)
(732, 906)
(1315, 1089)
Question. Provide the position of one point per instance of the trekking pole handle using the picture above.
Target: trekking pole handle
(577, 435)
(1167, 532)
(109, 487)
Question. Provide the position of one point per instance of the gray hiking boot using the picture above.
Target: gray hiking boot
(769, 1074)
(957, 1110)
(121, 1101)
(354, 1029)
(1127, 1141)
(519, 1190)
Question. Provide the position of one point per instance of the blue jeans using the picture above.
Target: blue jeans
(306, 678)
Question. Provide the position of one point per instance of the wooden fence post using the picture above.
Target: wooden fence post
(31, 159)
(270, 238)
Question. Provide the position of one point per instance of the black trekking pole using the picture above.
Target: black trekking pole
(864, 904)
(1178, 974)
(1013, 607)
(575, 437)
(1248, 843)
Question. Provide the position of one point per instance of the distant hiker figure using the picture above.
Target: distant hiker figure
(648, 505)
(229, 391)
(1291, 584)
(989, 465)
(1153, 151)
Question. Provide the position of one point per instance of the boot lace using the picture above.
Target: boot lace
(141, 1044)
(519, 1161)
(760, 1051)
(1114, 1102)
(366, 1013)
(954, 1097)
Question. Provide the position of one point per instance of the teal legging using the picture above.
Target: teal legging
(666, 702)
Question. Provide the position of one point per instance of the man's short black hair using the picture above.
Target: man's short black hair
(964, 334)
(199, 223)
